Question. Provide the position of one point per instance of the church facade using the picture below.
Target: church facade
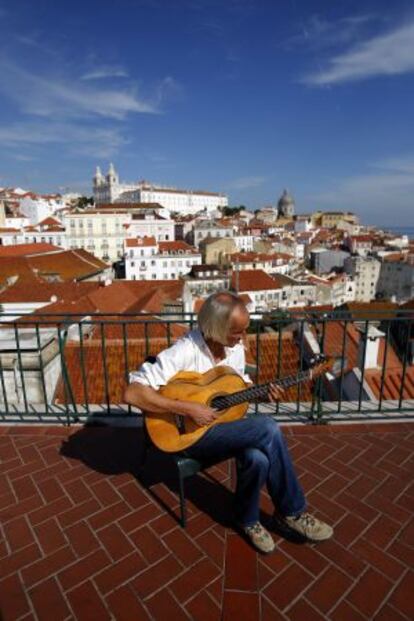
(108, 189)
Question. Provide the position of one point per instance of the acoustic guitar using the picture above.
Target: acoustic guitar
(221, 388)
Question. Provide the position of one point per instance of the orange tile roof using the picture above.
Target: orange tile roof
(253, 280)
(27, 250)
(140, 241)
(250, 257)
(392, 383)
(174, 246)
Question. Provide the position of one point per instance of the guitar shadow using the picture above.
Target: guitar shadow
(116, 451)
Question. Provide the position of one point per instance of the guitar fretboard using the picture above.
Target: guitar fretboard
(257, 393)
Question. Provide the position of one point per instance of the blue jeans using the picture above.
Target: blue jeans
(262, 456)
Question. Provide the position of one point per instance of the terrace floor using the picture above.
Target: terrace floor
(83, 535)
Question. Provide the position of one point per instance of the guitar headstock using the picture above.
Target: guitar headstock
(319, 364)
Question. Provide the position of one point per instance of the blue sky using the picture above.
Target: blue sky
(241, 96)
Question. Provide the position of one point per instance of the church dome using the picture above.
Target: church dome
(285, 199)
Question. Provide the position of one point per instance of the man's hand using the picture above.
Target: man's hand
(275, 393)
(201, 414)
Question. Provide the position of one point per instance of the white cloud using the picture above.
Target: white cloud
(391, 53)
(60, 98)
(72, 139)
(244, 183)
(383, 195)
(105, 72)
(318, 33)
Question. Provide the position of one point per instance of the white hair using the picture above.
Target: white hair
(215, 314)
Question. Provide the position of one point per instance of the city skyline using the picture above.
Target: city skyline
(245, 99)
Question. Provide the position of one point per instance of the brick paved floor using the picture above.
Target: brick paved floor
(81, 538)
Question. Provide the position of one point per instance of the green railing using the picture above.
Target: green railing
(73, 367)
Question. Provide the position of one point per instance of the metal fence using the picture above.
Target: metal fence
(74, 368)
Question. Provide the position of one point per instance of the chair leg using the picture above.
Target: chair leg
(183, 510)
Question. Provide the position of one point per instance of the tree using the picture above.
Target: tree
(83, 201)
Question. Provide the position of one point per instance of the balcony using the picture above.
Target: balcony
(84, 528)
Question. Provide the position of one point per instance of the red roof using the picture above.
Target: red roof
(253, 280)
(140, 241)
(26, 250)
(174, 246)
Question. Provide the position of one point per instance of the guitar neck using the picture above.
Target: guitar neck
(259, 392)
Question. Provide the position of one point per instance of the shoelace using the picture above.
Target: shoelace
(308, 519)
(256, 528)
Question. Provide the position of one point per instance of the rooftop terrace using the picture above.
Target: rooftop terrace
(86, 535)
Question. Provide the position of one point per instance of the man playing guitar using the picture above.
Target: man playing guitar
(257, 443)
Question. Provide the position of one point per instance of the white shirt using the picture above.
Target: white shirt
(189, 353)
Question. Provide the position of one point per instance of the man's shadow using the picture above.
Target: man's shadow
(120, 450)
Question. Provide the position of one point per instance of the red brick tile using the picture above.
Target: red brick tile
(83, 569)
(303, 610)
(108, 515)
(13, 599)
(328, 589)
(156, 576)
(119, 572)
(11, 511)
(405, 554)
(356, 506)
(378, 558)
(139, 517)
(240, 606)
(115, 542)
(50, 489)
(78, 491)
(342, 558)
(45, 567)
(203, 608)
(362, 486)
(125, 606)
(390, 509)
(264, 575)
(48, 601)
(332, 510)
(213, 546)
(24, 487)
(194, 579)
(402, 597)
(369, 592)
(349, 528)
(277, 562)
(133, 495)
(382, 531)
(165, 523)
(149, 544)
(25, 556)
(388, 613)
(288, 586)
(269, 612)
(183, 547)
(81, 538)
(162, 601)
(198, 524)
(79, 512)
(345, 612)
(87, 604)
(407, 534)
(18, 533)
(215, 589)
(105, 493)
(50, 536)
(52, 509)
(306, 555)
(241, 565)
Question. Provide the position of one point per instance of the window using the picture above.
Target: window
(132, 263)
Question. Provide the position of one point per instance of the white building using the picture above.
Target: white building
(397, 278)
(210, 228)
(244, 242)
(365, 271)
(108, 189)
(147, 259)
(101, 232)
(37, 209)
(151, 225)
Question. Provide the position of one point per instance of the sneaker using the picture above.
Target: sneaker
(310, 527)
(259, 537)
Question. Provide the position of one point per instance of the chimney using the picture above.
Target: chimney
(372, 338)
